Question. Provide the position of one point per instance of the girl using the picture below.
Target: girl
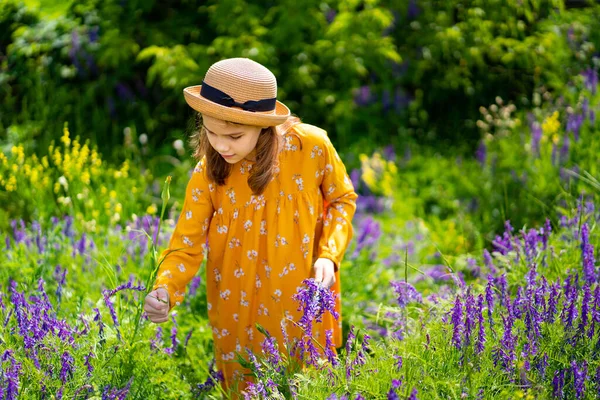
(269, 204)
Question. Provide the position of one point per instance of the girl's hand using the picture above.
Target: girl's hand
(157, 305)
(325, 272)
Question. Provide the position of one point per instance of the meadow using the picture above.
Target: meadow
(473, 272)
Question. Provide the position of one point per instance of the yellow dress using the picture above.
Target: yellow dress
(259, 249)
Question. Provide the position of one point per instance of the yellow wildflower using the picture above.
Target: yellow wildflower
(152, 209)
(33, 178)
(551, 124)
(85, 177)
(11, 185)
(368, 176)
(65, 138)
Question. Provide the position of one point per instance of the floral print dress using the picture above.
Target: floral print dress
(260, 248)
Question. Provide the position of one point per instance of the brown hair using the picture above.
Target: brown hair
(268, 146)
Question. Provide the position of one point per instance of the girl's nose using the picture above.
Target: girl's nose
(221, 146)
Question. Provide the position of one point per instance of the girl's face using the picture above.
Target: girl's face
(234, 142)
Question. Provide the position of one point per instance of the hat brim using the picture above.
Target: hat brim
(234, 114)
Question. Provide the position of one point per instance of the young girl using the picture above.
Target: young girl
(269, 204)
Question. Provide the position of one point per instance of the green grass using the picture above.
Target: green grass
(49, 8)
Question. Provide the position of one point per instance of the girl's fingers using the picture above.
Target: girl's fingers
(153, 303)
(329, 281)
(318, 273)
(159, 320)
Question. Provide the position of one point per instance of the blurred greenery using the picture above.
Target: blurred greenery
(371, 73)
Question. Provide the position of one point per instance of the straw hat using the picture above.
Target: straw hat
(238, 90)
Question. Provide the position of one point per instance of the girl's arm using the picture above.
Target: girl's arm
(184, 255)
(340, 202)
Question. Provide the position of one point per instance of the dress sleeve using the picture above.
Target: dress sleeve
(340, 205)
(182, 259)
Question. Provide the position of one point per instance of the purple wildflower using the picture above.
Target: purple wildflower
(123, 286)
(413, 10)
(98, 319)
(60, 275)
(393, 395)
(480, 343)
(11, 375)
(531, 239)
(489, 262)
(536, 136)
(502, 286)
(406, 293)
(503, 244)
(558, 383)
(174, 340)
(598, 380)
(517, 306)
(546, 230)
(255, 391)
(257, 368)
(473, 268)
(595, 318)
(590, 76)
(364, 349)
(398, 362)
(363, 96)
(349, 345)
(48, 305)
(579, 378)
(369, 232)
(109, 393)
(329, 353)
(569, 312)
(314, 299)
(187, 337)
(587, 297)
(481, 153)
(194, 284)
(113, 313)
(542, 365)
(469, 317)
(155, 343)
(68, 228)
(574, 122)
(589, 270)
(508, 340)
(66, 370)
(214, 377)
(553, 302)
(413, 394)
(457, 323)
(489, 298)
(87, 362)
(269, 348)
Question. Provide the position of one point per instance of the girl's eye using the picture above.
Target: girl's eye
(235, 137)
